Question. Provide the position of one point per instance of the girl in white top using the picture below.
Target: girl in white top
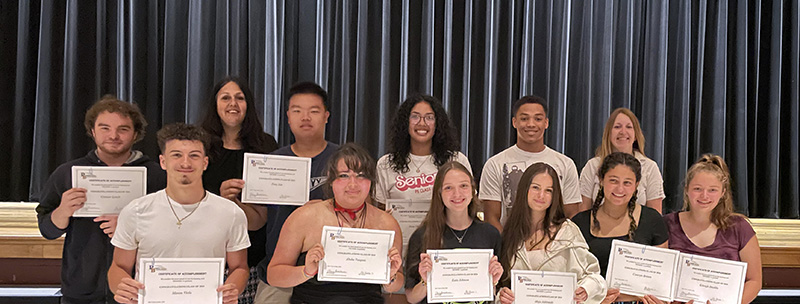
(422, 140)
(538, 236)
(622, 133)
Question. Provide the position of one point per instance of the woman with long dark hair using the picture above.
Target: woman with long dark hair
(615, 214)
(452, 222)
(708, 226)
(538, 236)
(234, 129)
(422, 139)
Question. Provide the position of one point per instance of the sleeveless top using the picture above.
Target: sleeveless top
(313, 291)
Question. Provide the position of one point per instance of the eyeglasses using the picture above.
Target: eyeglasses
(429, 118)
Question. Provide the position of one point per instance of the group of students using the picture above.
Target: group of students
(538, 214)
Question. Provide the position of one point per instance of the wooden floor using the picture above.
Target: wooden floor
(27, 258)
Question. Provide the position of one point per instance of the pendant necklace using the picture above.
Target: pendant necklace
(420, 165)
(456, 235)
(181, 219)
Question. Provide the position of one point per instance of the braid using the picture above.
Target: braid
(631, 208)
(596, 206)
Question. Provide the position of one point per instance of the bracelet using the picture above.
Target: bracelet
(308, 276)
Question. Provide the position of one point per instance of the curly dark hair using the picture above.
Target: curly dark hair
(109, 103)
(181, 131)
(445, 142)
(251, 135)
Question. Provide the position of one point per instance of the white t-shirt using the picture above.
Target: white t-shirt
(148, 225)
(416, 184)
(650, 187)
(502, 172)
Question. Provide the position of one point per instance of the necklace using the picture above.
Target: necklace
(352, 213)
(421, 163)
(611, 216)
(180, 219)
(456, 235)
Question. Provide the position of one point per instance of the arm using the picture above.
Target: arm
(125, 288)
(491, 214)
(256, 214)
(655, 204)
(751, 254)
(237, 276)
(420, 290)
(571, 210)
(282, 271)
(395, 258)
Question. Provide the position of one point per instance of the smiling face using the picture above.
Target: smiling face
(530, 122)
(113, 133)
(623, 134)
(231, 105)
(350, 188)
(421, 123)
(184, 161)
(307, 116)
(619, 185)
(540, 193)
(704, 191)
(456, 191)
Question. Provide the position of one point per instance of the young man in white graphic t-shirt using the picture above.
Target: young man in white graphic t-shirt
(502, 171)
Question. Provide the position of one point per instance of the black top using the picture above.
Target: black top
(651, 231)
(277, 214)
(87, 250)
(313, 291)
(479, 235)
(226, 165)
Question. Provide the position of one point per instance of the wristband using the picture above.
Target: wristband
(308, 276)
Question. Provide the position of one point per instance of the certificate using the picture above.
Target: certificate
(409, 214)
(181, 280)
(108, 189)
(544, 287)
(276, 179)
(641, 270)
(355, 255)
(460, 275)
(703, 278)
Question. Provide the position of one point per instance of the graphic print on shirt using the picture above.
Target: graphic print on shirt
(512, 172)
(419, 184)
(317, 182)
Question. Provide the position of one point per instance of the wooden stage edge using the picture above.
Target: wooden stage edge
(21, 243)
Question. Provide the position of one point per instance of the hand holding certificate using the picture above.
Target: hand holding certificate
(108, 189)
(181, 280)
(460, 275)
(709, 279)
(276, 179)
(640, 270)
(356, 255)
(543, 286)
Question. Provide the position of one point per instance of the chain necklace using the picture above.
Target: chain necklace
(415, 163)
(181, 219)
(456, 235)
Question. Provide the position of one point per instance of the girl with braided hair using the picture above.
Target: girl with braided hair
(616, 215)
(708, 226)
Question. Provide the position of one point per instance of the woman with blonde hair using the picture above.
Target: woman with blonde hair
(708, 226)
(622, 133)
(538, 236)
(451, 223)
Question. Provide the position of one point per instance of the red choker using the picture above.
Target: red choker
(351, 212)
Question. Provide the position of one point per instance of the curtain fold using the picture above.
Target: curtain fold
(708, 76)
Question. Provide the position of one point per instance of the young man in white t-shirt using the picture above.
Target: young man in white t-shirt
(502, 172)
(181, 221)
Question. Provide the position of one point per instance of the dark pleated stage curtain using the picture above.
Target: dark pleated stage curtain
(702, 76)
